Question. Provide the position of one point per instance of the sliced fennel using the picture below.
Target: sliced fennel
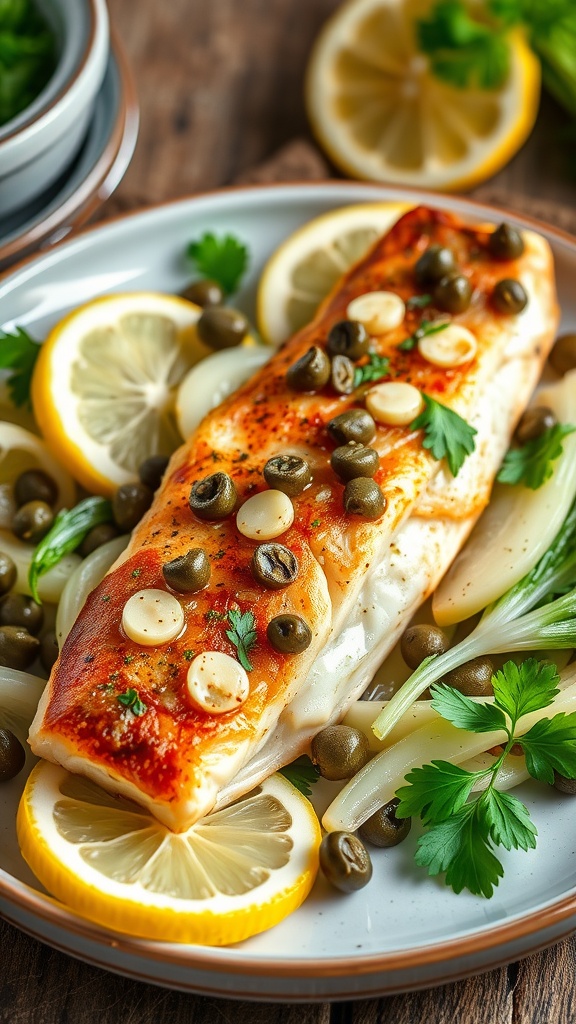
(83, 580)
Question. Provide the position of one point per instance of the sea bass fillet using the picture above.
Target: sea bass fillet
(358, 580)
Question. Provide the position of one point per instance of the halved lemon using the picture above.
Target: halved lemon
(381, 114)
(305, 268)
(105, 382)
(233, 874)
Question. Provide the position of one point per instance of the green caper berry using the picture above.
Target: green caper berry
(509, 297)
(32, 521)
(348, 338)
(534, 422)
(96, 537)
(339, 752)
(383, 828)
(204, 293)
(21, 610)
(363, 497)
(564, 785)
(434, 264)
(351, 461)
(18, 648)
(289, 634)
(188, 573)
(274, 566)
(49, 650)
(129, 504)
(311, 372)
(342, 375)
(422, 641)
(562, 358)
(8, 573)
(214, 497)
(345, 861)
(152, 470)
(12, 755)
(353, 425)
(453, 294)
(35, 485)
(474, 679)
(506, 243)
(287, 473)
(221, 327)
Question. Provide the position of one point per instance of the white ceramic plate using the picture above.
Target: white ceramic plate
(404, 930)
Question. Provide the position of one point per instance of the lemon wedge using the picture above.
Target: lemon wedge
(233, 874)
(305, 268)
(105, 382)
(380, 114)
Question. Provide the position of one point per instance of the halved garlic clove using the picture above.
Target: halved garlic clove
(394, 403)
(217, 683)
(152, 617)
(452, 346)
(265, 515)
(379, 312)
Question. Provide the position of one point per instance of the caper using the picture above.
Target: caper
(311, 372)
(96, 537)
(352, 460)
(188, 573)
(434, 264)
(213, 497)
(287, 473)
(20, 610)
(152, 470)
(453, 293)
(35, 485)
(534, 422)
(342, 375)
(364, 498)
(562, 358)
(204, 293)
(345, 861)
(130, 503)
(339, 752)
(474, 679)
(509, 296)
(49, 650)
(421, 641)
(18, 648)
(348, 338)
(383, 828)
(8, 573)
(353, 425)
(274, 565)
(32, 521)
(12, 755)
(564, 784)
(506, 243)
(221, 327)
(289, 634)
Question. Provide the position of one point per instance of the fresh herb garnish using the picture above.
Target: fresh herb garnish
(222, 259)
(531, 464)
(27, 56)
(463, 51)
(426, 327)
(130, 699)
(18, 353)
(213, 616)
(242, 635)
(67, 533)
(376, 368)
(188, 654)
(418, 301)
(315, 523)
(447, 435)
(461, 835)
(302, 774)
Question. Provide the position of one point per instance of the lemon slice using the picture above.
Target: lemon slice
(105, 382)
(380, 113)
(233, 874)
(305, 268)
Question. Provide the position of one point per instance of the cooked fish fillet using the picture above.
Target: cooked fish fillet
(359, 581)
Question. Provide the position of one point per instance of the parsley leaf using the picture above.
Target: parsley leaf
(460, 847)
(463, 51)
(222, 259)
(465, 713)
(302, 774)
(447, 435)
(520, 689)
(434, 791)
(376, 368)
(426, 327)
(242, 635)
(531, 464)
(131, 700)
(508, 820)
(18, 353)
(549, 746)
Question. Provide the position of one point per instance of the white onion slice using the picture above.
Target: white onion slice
(211, 380)
(87, 575)
(20, 450)
(51, 583)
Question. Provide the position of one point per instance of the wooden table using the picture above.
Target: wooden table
(220, 86)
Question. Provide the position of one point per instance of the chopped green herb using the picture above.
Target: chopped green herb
(418, 301)
(302, 774)
(131, 700)
(188, 654)
(69, 530)
(315, 523)
(242, 635)
(27, 56)
(18, 353)
(376, 368)
(446, 434)
(426, 327)
(213, 616)
(531, 464)
(129, 658)
(464, 51)
(222, 259)
(105, 598)
(136, 572)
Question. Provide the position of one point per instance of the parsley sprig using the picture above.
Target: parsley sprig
(302, 774)
(426, 327)
(462, 834)
(223, 259)
(130, 699)
(446, 434)
(531, 463)
(376, 368)
(18, 354)
(242, 635)
(462, 50)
